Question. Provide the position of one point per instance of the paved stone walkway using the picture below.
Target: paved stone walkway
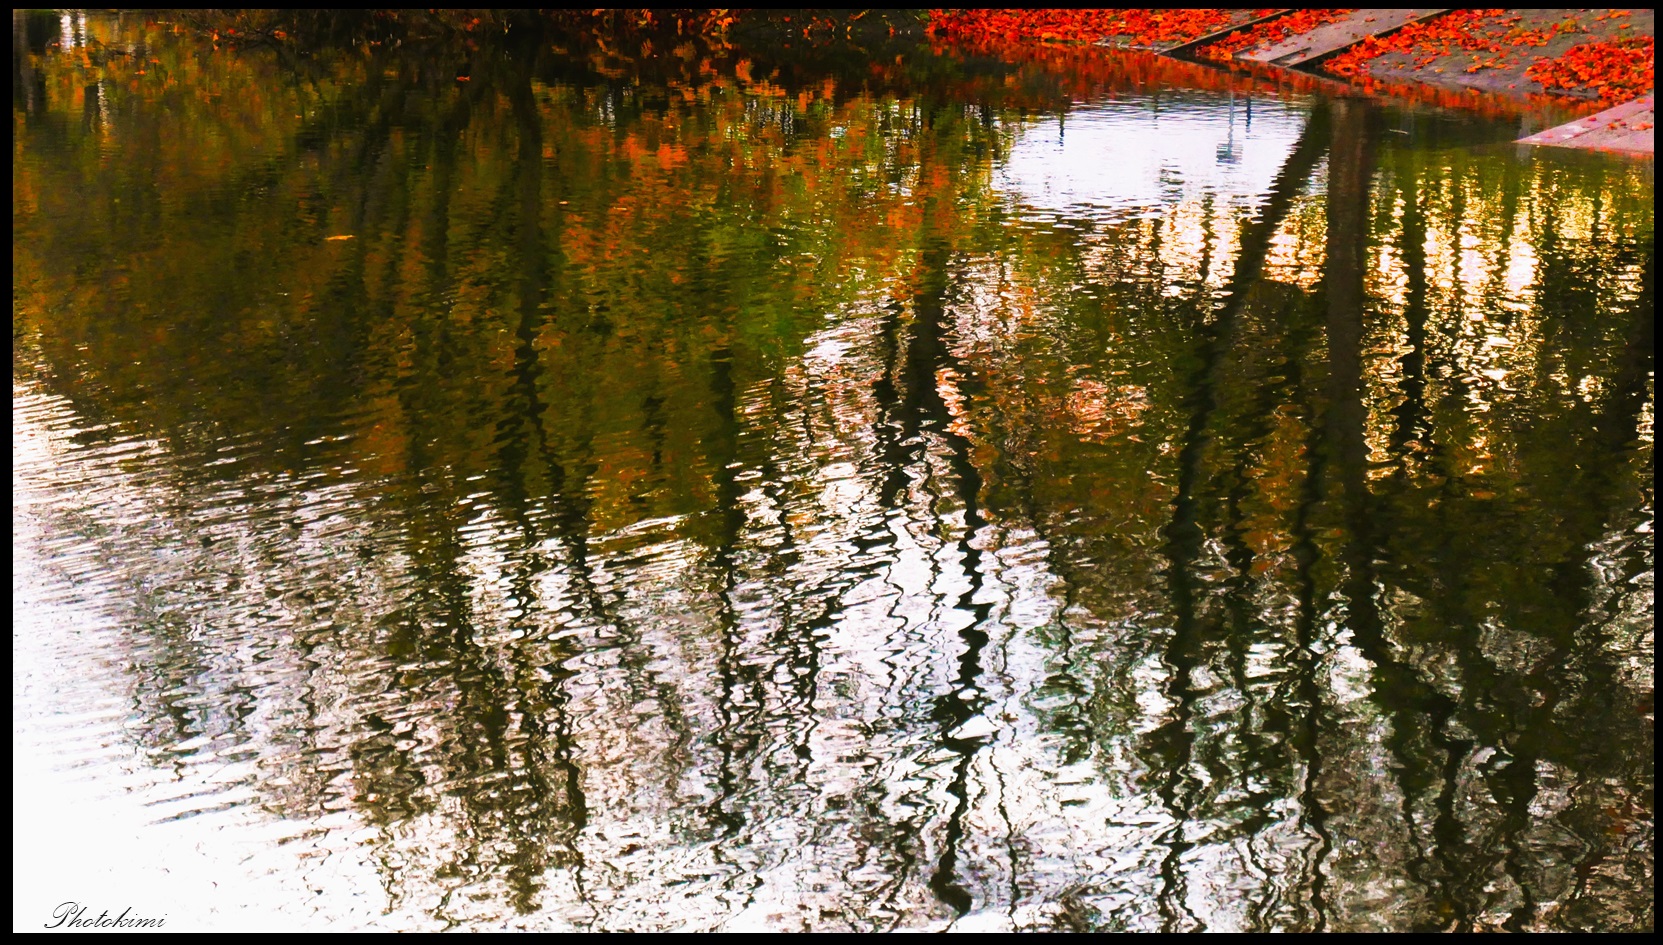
(1333, 37)
(1627, 127)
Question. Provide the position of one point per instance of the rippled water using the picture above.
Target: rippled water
(723, 489)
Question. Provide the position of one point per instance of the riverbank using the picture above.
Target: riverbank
(1524, 52)
(1574, 62)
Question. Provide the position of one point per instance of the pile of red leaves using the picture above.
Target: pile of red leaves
(1299, 21)
(1427, 40)
(1149, 28)
(1618, 71)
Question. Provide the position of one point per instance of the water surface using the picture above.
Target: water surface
(712, 488)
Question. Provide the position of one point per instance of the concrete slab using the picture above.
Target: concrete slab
(1524, 37)
(1216, 35)
(1333, 37)
(1627, 127)
(1235, 20)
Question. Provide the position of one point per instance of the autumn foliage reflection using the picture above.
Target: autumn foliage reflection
(713, 487)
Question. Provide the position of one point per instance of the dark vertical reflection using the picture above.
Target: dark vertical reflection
(740, 679)
(890, 457)
(1303, 714)
(1350, 170)
(1174, 740)
(31, 31)
(1535, 732)
(925, 410)
(557, 813)
(1425, 755)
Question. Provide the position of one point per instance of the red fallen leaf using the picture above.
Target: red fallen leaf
(1084, 72)
(1140, 27)
(1618, 71)
(1428, 38)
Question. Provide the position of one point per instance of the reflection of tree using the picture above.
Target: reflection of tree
(575, 361)
(1424, 724)
(922, 409)
(1350, 165)
(1174, 741)
(1463, 614)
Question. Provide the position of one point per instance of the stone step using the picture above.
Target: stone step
(1186, 48)
(1333, 37)
(1625, 127)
